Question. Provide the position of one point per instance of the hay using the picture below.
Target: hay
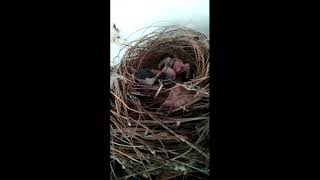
(150, 143)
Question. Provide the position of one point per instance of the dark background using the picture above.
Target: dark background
(54, 105)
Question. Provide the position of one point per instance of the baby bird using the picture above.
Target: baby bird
(167, 73)
(177, 64)
(145, 76)
(179, 96)
(149, 76)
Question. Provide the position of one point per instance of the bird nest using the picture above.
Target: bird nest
(154, 143)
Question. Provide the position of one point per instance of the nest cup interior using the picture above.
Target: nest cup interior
(186, 44)
(150, 143)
